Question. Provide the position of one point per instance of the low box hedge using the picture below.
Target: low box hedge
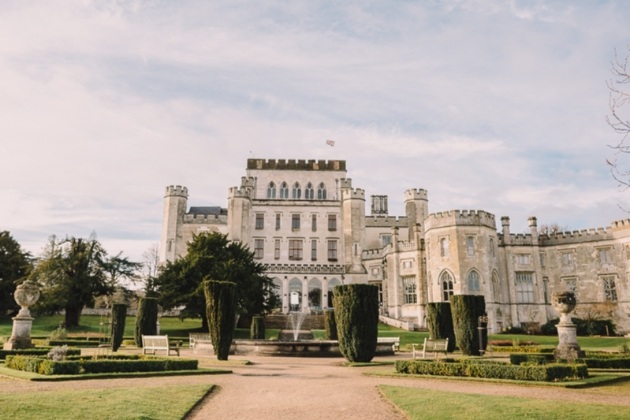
(532, 358)
(606, 362)
(494, 370)
(520, 349)
(106, 364)
(74, 343)
(35, 351)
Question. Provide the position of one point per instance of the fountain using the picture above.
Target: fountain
(295, 332)
(25, 295)
(568, 347)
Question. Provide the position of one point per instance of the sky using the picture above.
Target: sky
(488, 105)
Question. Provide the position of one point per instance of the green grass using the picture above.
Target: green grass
(146, 402)
(423, 404)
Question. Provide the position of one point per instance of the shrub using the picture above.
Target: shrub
(119, 316)
(59, 334)
(466, 310)
(330, 325)
(257, 331)
(58, 353)
(440, 323)
(356, 314)
(37, 351)
(583, 327)
(221, 312)
(146, 318)
(531, 358)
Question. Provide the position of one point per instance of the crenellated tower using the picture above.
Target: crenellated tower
(353, 213)
(175, 204)
(417, 210)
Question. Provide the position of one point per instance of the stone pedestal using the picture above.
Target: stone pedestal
(26, 294)
(568, 347)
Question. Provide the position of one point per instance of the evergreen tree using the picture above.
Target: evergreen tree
(146, 318)
(466, 310)
(356, 314)
(15, 264)
(440, 323)
(221, 312)
(119, 317)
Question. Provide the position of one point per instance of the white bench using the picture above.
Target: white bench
(394, 341)
(435, 345)
(199, 338)
(158, 343)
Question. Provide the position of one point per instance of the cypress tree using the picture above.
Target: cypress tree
(440, 323)
(221, 312)
(356, 314)
(257, 331)
(330, 324)
(146, 319)
(466, 310)
(119, 316)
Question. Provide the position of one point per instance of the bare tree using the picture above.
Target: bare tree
(618, 118)
(150, 267)
(552, 228)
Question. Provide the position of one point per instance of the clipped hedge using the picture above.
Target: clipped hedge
(146, 319)
(521, 349)
(466, 310)
(221, 313)
(73, 343)
(532, 358)
(493, 370)
(257, 330)
(606, 362)
(356, 314)
(330, 325)
(440, 323)
(37, 351)
(98, 365)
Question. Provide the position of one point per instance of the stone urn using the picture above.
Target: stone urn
(25, 295)
(568, 347)
(564, 302)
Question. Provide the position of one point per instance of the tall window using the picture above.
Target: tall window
(566, 258)
(409, 285)
(313, 249)
(276, 249)
(605, 255)
(321, 191)
(444, 247)
(284, 190)
(332, 250)
(332, 222)
(523, 259)
(492, 247)
(473, 281)
(386, 239)
(295, 249)
(446, 281)
(314, 223)
(259, 248)
(296, 193)
(496, 287)
(546, 289)
(260, 221)
(295, 222)
(524, 288)
(610, 290)
(470, 245)
(309, 194)
(271, 190)
(278, 217)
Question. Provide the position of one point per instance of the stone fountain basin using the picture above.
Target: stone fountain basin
(301, 348)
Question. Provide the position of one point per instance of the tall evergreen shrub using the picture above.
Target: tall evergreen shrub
(146, 319)
(221, 312)
(466, 310)
(257, 331)
(119, 316)
(356, 314)
(330, 325)
(440, 323)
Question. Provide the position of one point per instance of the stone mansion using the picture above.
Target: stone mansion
(304, 220)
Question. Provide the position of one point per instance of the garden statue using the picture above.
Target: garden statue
(568, 347)
(25, 295)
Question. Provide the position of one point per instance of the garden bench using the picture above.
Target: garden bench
(435, 345)
(158, 343)
(196, 338)
(394, 341)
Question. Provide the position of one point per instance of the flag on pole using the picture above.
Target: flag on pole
(330, 142)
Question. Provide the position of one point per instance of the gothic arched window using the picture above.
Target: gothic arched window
(271, 190)
(321, 191)
(446, 281)
(284, 190)
(296, 194)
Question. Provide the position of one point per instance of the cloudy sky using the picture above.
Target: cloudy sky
(491, 105)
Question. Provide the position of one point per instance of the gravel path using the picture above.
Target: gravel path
(312, 388)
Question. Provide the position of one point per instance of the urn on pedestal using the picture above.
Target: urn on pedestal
(568, 347)
(25, 295)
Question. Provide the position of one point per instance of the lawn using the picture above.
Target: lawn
(422, 404)
(146, 402)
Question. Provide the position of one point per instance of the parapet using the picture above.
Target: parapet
(297, 164)
(345, 183)
(577, 236)
(236, 192)
(460, 218)
(248, 182)
(386, 221)
(176, 191)
(416, 194)
(357, 194)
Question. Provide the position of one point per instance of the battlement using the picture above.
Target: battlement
(345, 183)
(297, 164)
(248, 182)
(236, 192)
(349, 194)
(176, 191)
(620, 224)
(460, 218)
(578, 236)
(372, 254)
(416, 194)
(386, 221)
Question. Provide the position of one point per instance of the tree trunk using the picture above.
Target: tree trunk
(73, 315)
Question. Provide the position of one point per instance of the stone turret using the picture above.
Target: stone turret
(175, 204)
(416, 209)
(353, 213)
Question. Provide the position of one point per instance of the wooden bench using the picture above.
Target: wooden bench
(435, 345)
(158, 343)
(394, 341)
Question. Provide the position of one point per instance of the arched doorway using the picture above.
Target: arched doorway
(295, 295)
(314, 295)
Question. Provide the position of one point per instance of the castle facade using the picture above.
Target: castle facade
(308, 225)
